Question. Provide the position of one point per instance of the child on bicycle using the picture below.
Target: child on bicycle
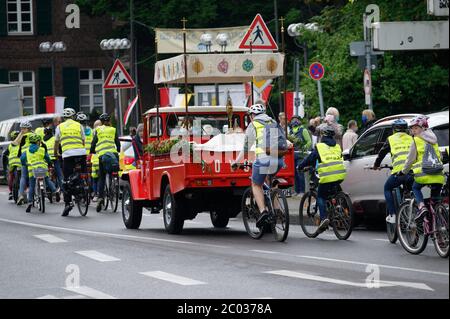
(398, 145)
(331, 170)
(34, 157)
(422, 136)
(12, 161)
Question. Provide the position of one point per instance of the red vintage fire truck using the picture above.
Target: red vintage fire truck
(186, 166)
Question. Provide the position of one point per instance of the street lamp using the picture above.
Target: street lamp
(48, 47)
(222, 40)
(115, 45)
(206, 40)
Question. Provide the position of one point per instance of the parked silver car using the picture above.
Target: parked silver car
(366, 187)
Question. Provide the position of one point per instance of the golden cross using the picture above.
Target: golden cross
(282, 23)
(184, 23)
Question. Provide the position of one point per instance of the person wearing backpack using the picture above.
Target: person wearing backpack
(301, 139)
(106, 145)
(266, 163)
(424, 159)
(331, 169)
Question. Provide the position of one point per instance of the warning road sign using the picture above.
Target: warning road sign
(258, 37)
(118, 78)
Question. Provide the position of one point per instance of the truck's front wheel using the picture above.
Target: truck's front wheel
(219, 219)
(173, 212)
(131, 210)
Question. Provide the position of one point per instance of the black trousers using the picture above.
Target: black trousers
(69, 164)
(102, 177)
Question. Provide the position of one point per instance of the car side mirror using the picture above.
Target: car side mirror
(346, 155)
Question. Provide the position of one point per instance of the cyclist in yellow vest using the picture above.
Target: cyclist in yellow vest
(422, 136)
(398, 145)
(46, 123)
(12, 161)
(49, 141)
(264, 164)
(36, 156)
(88, 132)
(331, 169)
(106, 140)
(95, 168)
(70, 135)
(23, 141)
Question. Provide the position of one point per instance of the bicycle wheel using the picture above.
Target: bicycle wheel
(391, 231)
(343, 218)
(16, 185)
(441, 240)
(114, 193)
(106, 193)
(250, 214)
(410, 233)
(280, 222)
(309, 214)
(42, 194)
(82, 200)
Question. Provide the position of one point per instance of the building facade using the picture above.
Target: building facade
(77, 73)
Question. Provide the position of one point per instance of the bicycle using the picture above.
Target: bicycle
(400, 195)
(339, 209)
(79, 187)
(112, 191)
(414, 235)
(278, 209)
(40, 189)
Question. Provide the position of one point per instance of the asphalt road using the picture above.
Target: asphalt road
(48, 256)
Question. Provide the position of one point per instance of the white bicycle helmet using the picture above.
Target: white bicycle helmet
(257, 109)
(26, 124)
(81, 117)
(69, 112)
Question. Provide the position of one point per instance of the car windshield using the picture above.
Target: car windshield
(199, 125)
(126, 147)
(442, 134)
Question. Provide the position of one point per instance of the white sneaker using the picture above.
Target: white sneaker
(391, 219)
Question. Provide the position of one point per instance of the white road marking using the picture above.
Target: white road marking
(380, 284)
(128, 237)
(89, 292)
(354, 262)
(387, 240)
(173, 278)
(47, 297)
(93, 254)
(50, 239)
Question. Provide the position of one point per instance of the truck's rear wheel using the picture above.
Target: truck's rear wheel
(219, 219)
(131, 210)
(172, 212)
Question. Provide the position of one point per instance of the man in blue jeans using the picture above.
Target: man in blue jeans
(398, 145)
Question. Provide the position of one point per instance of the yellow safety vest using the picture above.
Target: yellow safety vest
(400, 144)
(95, 165)
(40, 131)
(26, 136)
(259, 129)
(106, 136)
(88, 141)
(13, 158)
(71, 135)
(419, 176)
(36, 160)
(331, 168)
(50, 143)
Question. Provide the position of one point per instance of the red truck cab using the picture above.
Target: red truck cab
(186, 167)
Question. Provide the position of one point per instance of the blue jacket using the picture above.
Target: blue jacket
(314, 157)
(33, 149)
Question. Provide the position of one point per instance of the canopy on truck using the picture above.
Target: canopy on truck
(220, 68)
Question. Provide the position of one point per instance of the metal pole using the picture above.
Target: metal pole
(368, 45)
(216, 86)
(297, 86)
(253, 86)
(185, 70)
(319, 88)
(284, 74)
(118, 111)
(52, 61)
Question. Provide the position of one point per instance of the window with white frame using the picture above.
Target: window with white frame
(91, 91)
(20, 16)
(25, 79)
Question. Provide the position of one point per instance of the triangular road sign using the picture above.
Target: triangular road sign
(259, 35)
(118, 78)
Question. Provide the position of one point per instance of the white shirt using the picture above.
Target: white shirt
(74, 151)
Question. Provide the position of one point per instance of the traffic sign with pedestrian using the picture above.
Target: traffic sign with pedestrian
(119, 78)
(258, 37)
(316, 71)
